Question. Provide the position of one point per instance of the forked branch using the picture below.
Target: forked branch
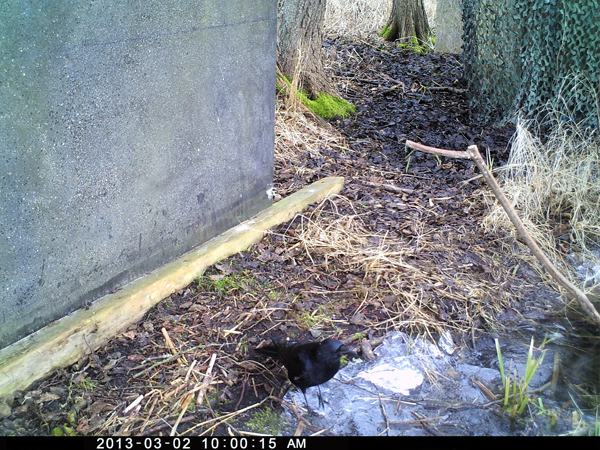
(473, 154)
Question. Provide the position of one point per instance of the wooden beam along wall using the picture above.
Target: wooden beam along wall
(66, 340)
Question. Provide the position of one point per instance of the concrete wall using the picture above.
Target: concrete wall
(448, 33)
(130, 132)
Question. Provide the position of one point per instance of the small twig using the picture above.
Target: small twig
(385, 416)
(437, 151)
(401, 402)
(184, 407)
(187, 375)
(244, 381)
(172, 346)
(424, 424)
(473, 154)
(388, 187)
(489, 394)
(168, 359)
(93, 354)
(152, 431)
(133, 404)
(207, 378)
(447, 88)
(224, 418)
(299, 428)
(412, 422)
(299, 416)
(149, 414)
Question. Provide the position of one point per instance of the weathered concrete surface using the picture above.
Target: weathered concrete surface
(130, 132)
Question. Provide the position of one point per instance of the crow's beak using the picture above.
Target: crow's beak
(346, 351)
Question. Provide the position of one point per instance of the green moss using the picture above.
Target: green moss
(385, 32)
(266, 420)
(226, 283)
(87, 385)
(282, 83)
(328, 106)
(325, 105)
(63, 431)
(418, 47)
(359, 336)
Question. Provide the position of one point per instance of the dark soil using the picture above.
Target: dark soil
(430, 207)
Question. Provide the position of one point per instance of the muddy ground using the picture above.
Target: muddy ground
(401, 249)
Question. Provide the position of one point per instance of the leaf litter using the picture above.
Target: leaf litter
(401, 249)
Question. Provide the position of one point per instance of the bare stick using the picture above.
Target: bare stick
(388, 187)
(184, 407)
(437, 151)
(172, 346)
(473, 154)
(206, 382)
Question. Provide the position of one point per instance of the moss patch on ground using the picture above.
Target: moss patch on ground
(328, 106)
(325, 105)
(422, 48)
(266, 421)
(414, 45)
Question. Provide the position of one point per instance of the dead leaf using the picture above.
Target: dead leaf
(130, 335)
(48, 397)
(216, 277)
(358, 319)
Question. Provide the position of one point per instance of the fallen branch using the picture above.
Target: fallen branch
(473, 154)
(388, 187)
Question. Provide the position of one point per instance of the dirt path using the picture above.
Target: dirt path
(401, 249)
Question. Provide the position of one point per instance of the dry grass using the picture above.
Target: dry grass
(364, 17)
(408, 294)
(300, 131)
(555, 186)
(356, 17)
(403, 282)
(297, 131)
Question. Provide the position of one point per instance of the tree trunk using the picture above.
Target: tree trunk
(407, 19)
(300, 36)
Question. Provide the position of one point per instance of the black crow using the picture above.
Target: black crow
(309, 363)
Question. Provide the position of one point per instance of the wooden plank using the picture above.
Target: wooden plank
(66, 340)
